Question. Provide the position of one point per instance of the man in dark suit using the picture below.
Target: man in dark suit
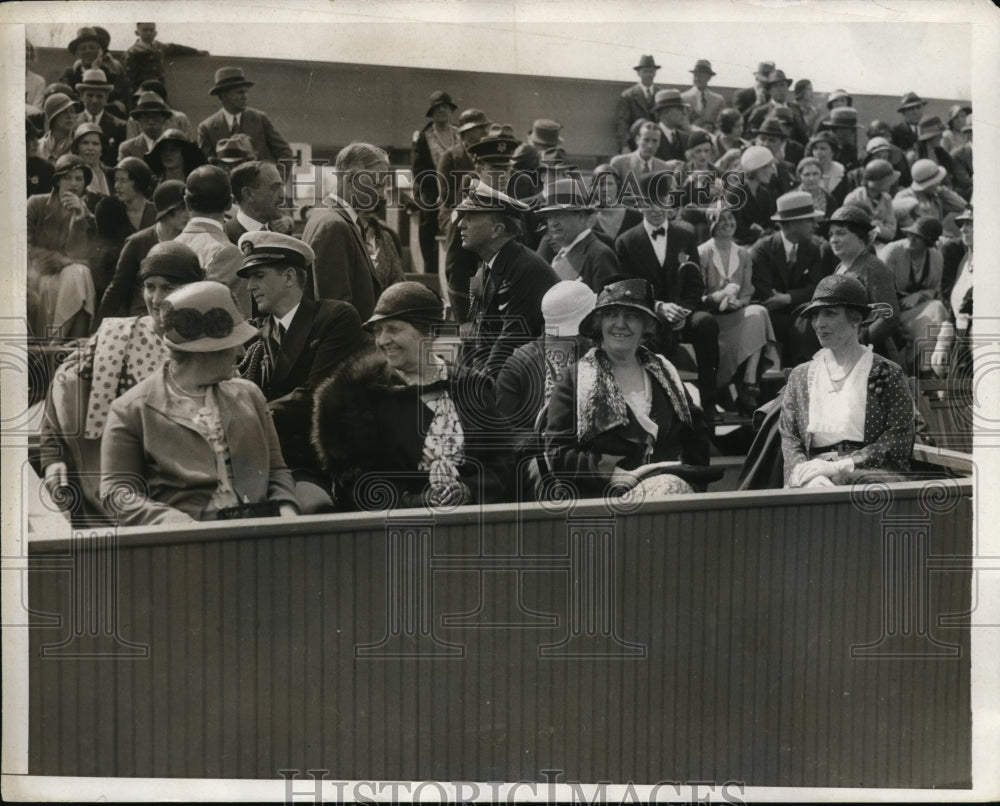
(301, 343)
(259, 191)
(777, 85)
(672, 114)
(906, 133)
(508, 288)
(771, 135)
(236, 117)
(666, 254)
(787, 265)
(638, 101)
(344, 269)
(94, 90)
(151, 113)
(570, 246)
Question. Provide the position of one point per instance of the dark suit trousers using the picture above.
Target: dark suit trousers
(460, 266)
(428, 232)
(701, 331)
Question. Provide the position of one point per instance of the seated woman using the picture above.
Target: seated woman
(746, 338)
(851, 237)
(824, 146)
(61, 231)
(621, 408)
(60, 121)
(121, 353)
(878, 177)
(191, 442)
(174, 156)
(809, 175)
(916, 264)
(88, 145)
(612, 217)
(846, 416)
(403, 417)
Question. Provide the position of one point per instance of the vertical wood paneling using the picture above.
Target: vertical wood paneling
(748, 615)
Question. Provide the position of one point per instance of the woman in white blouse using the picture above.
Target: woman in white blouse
(848, 414)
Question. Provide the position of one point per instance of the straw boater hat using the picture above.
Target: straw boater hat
(845, 291)
(564, 195)
(636, 294)
(203, 318)
(565, 306)
(94, 80)
(227, 78)
(795, 206)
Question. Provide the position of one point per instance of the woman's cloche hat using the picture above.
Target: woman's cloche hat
(634, 293)
(843, 290)
(565, 306)
(410, 301)
(203, 318)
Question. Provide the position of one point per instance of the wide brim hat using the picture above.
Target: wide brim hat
(926, 173)
(646, 60)
(227, 78)
(203, 318)
(565, 305)
(845, 291)
(70, 162)
(669, 99)
(193, 156)
(929, 128)
(775, 77)
(234, 149)
(910, 100)
(564, 195)
(55, 105)
(926, 227)
(151, 104)
(795, 206)
(86, 34)
(702, 66)
(266, 248)
(636, 294)
(410, 301)
(439, 98)
(94, 80)
(85, 129)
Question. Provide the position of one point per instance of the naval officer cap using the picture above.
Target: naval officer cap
(481, 198)
(265, 248)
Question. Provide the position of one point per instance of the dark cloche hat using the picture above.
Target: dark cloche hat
(843, 290)
(635, 293)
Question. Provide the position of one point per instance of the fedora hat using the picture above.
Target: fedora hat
(85, 34)
(929, 127)
(226, 78)
(635, 294)
(203, 318)
(151, 104)
(843, 117)
(525, 158)
(646, 61)
(439, 98)
(880, 170)
(168, 196)
(472, 119)
(266, 248)
(565, 305)
(55, 105)
(926, 227)
(776, 77)
(234, 149)
(838, 95)
(564, 195)
(193, 156)
(764, 69)
(845, 291)
(94, 80)
(795, 205)
(910, 100)
(668, 99)
(926, 173)
(545, 134)
(70, 162)
(702, 66)
(410, 301)
(771, 126)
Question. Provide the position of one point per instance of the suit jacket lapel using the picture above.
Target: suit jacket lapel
(293, 341)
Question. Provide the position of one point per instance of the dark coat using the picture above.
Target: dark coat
(636, 256)
(592, 259)
(632, 105)
(880, 284)
(672, 151)
(269, 145)
(234, 229)
(123, 296)
(114, 135)
(772, 274)
(367, 421)
(903, 136)
(323, 334)
(754, 209)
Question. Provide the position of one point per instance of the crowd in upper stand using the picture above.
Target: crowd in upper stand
(236, 360)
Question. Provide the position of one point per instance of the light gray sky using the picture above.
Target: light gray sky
(861, 47)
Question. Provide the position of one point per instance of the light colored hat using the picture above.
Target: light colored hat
(795, 206)
(755, 157)
(202, 318)
(565, 305)
(926, 173)
(94, 80)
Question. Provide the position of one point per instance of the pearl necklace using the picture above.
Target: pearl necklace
(172, 370)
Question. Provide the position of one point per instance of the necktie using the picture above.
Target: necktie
(792, 254)
(659, 232)
(562, 267)
(649, 95)
(236, 125)
(701, 100)
(647, 166)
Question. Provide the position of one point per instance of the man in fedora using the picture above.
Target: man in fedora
(638, 101)
(89, 50)
(787, 265)
(772, 136)
(93, 91)
(236, 117)
(300, 343)
(123, 296)
(843, 124)
(747, 99)
(545, 134)
(643, 160)
(703, 104)
(430, 144)
(177, 119)
(509, 284)
(456, 167)
(905, 134)
(671, 114)
(152, 114)
(581, 254)
(776, 85)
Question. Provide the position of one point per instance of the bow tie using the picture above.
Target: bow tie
(656, 233)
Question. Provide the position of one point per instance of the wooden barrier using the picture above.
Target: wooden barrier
(784, 638)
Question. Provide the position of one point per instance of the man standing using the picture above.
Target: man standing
(776, 86)
(151, 113)
(236, 117)
(665, 253)
(259, 191)
(643, 160)
(704, 105)
(430, 144)
(301, 343)
(344, 269)
(638, 101)
(787, 265)
(744, 100)
(94, 91)
(906, 133)
(507, 290)
(208, 196)
(581, 255)
(671, 115)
